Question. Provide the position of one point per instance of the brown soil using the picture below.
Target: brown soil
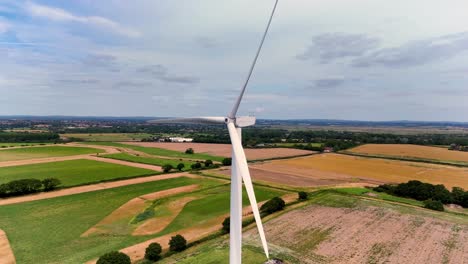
(91, 188)
(224, 150)
(6, 253)
(157, 224)
(132, 208)
(317, 234)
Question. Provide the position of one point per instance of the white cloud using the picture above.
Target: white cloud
(4, 27)
(57, 14)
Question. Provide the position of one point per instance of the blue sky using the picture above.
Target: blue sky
(334, 59)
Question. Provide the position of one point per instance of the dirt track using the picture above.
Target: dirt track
(366, 235)
(6, 254)
(224, 150)
(91, 188)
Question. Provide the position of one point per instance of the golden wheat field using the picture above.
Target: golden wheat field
(411, 151)
(328, 166)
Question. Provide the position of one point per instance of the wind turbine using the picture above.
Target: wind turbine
(239, 168)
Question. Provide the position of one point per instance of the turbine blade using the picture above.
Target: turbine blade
(191, 120)
(243, 168)
(239, 99)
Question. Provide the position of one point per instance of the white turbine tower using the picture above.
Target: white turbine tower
(239, 168)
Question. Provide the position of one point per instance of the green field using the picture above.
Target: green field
(48, 231)
(72, 172)
(148, 160)
(161, 152)
(44, 152)
(290, 145)
(107, 136)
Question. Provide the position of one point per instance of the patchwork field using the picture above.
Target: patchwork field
(72, 172)
(120, 215)
(44, 152)
(328, 169)
(149, 160)
(337, 228)
(224, 150)
(107, 136)
(411, 151)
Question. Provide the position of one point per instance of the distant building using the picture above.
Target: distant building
(327, 150)
(180, 139)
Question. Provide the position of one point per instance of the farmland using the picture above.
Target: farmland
(44, 152)
(412, 151)
(106, 136)
(224, 150)
(72, 172)
(28, 224)
(324, 229)
(331, 169)
(148, 160)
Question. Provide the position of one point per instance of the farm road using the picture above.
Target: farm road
(91, 188)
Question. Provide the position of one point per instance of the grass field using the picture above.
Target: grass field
(48, 231)
(72, 172)
(148, 160)
(345, 167)
(108, 136)
(44, 152)
(289, 145)
(161, 152)
(403, 151)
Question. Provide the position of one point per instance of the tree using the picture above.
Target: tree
(208, 163)
(273, 205)
(114, 257)
(302, 196)
(434, 205)
(180, 166)
(226, 225)
(227, 161)
(50, 184)
(177, 243)
(189, 151)
(167, 167)
(196, 166)
(153, 252)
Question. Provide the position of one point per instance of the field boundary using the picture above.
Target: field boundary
(287, 157)
(402, 158)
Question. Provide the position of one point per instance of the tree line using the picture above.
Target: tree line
(26, 137)
(28, 186)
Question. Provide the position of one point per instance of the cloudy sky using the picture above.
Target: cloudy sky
(334, 59)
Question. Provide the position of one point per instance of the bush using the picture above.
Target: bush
(167, 167)
(227, 162)
(273, 205)
(434, 205)
(20, 187)
(189, 151)
(50, 184)
(302, 196)
(114, 257)
(226, 225)
(153, 252)
(208, 163)
(180, 166)
(177, 243)
(196, 166)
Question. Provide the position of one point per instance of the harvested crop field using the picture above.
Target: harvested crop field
(26, 153)
(224, 150)
(411, 151)
(326, 169)
(365, 234)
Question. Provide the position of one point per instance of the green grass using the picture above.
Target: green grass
(72, 172)
(148, 160)
(161, 152)
(48, 231)
(23, 144)
(44, 152)
(214, 204)
(289, 145)
(107, 136)
(379, 195)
